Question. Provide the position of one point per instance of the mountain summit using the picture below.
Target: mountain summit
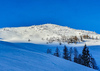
(46, 33)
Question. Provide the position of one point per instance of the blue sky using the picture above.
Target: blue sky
(78, 14)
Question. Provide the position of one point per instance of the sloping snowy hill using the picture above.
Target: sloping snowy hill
(18, 53)
(14, 57)
(41, 34)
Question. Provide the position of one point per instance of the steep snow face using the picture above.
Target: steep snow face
(19, 57)
(40, 34)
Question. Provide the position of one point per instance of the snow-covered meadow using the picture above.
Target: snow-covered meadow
(33, 57)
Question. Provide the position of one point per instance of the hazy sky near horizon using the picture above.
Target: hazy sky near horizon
(78, 14)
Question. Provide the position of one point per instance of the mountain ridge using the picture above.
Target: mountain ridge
(43, 33)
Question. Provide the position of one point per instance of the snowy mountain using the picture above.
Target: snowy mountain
(46, 33)
(24, 48)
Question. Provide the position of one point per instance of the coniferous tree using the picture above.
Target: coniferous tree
(60, 43)
(70, 54)
(75, 55)
(76, 39)
(96, 38)
(86, 56)
(57, 52)
(79, 59)
(81, 38)
(49, 51)
(93, 63)
(65, 54)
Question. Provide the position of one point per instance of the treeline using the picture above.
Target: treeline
(85, 58)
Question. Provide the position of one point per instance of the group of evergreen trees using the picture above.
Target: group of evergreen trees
(87, 59)
(84, 59)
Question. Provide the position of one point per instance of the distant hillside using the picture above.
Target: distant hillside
(47, 33)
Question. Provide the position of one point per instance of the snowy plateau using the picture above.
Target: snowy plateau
(25, 48)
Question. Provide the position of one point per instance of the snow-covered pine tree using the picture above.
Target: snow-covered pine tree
(86, 56)
(57, 52)
(66, 53)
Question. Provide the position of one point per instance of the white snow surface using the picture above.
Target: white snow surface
(39, 33)
(19, 54)
(32, 57)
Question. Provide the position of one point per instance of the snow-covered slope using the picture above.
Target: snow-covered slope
(31, 57)
(40, 34)
(26, 56)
